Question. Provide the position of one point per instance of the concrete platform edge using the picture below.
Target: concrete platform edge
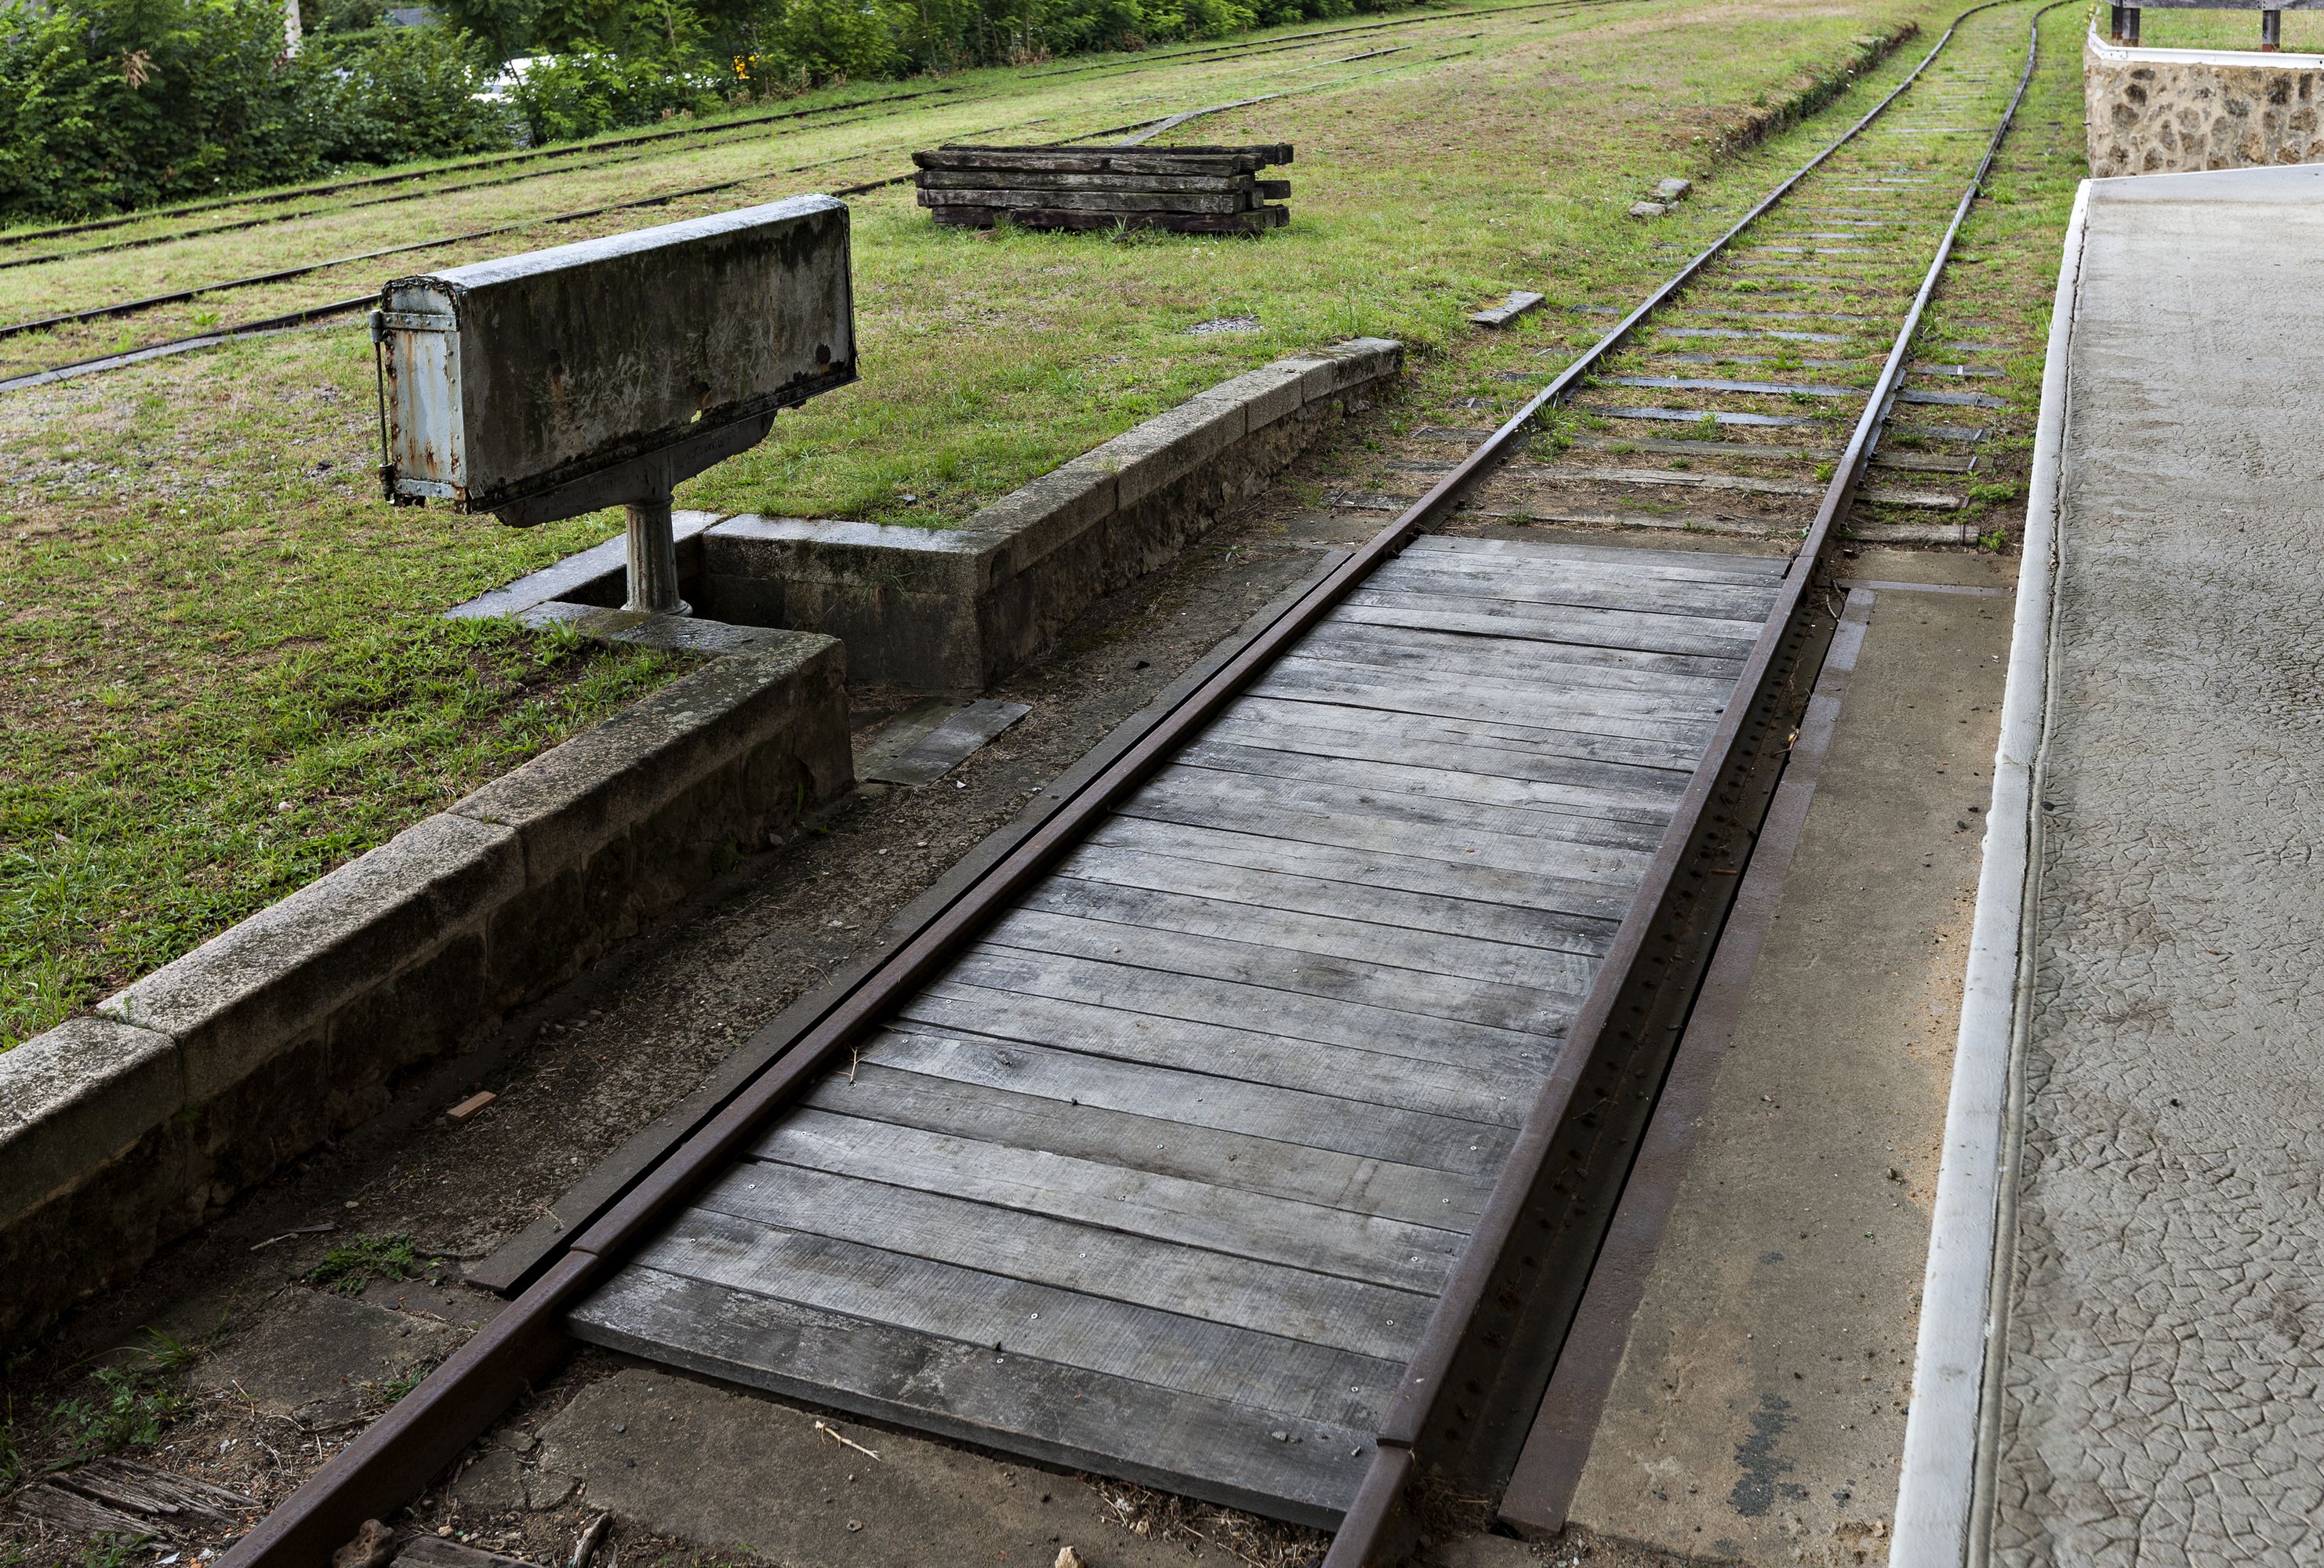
(121, 1131)
(954, 608)
(1944, 1468)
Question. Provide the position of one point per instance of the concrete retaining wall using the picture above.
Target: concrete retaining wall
(958, 607)
(123, 1130)
(2166, 111)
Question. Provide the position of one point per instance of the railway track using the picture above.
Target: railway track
(1379, 930)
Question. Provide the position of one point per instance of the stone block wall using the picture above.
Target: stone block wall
(2167, 111)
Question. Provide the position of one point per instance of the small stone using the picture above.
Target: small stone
(1673, 190)
(1280, 1436)
(1648, 209)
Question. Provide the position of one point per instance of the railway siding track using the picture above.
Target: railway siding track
(1725, 413)
(1379, 930)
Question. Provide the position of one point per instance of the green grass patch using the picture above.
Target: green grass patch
(353, 1264)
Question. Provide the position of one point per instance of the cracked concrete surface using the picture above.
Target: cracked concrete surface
(2166, 1333)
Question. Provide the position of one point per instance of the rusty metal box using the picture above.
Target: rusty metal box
(509, 378)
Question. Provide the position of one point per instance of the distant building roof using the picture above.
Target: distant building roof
(410, 16)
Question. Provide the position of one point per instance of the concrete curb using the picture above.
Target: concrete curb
(121, 1131)
(1947, 1433)
(949, 608)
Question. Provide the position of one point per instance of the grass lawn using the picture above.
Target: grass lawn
(226, 671)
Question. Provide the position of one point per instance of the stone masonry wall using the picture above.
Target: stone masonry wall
(2163, 111)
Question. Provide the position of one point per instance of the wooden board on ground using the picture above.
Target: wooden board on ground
(1162, 1175)
(1185, 189)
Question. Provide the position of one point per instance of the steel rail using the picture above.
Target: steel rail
(1360, 1537)
(394, 1458)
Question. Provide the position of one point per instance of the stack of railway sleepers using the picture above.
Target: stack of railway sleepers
(1187, 190)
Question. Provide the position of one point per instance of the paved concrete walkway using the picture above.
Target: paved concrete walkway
(2161, 1393)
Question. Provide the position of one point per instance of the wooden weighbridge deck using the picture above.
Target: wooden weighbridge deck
(1164, 1176)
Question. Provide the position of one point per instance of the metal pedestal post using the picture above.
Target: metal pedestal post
(2114, 30)
(653, 559)
(2270, 31)
(2130, 24)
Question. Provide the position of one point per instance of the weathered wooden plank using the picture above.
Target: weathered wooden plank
(1252, 221)
(1529, 1008)
(1443, 783)
(1480, 1089)
(1696, 416)
(1550, 623)
(1214, 184)
(1197, 800)
(1710, 565)
(1092, 201)
(1609, 589)
(1134, 160)
(1297, 1173)
(1516, 658)
(1208, 1448)
(1573, 701)
(1592, 847)
(1547, 707)
(1173, 1100)
(1540, 742)
(1266, 887)
(1211, 1360)
(1648, 789)
(1714, 383)
(1488, 1091)
(1451, 872)
(1456, 1043)
(1336, 936)
(1247, 1225)
(1726, 607)
(1346, 1314)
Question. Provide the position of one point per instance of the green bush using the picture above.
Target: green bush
(568, 96)
(108, 106)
